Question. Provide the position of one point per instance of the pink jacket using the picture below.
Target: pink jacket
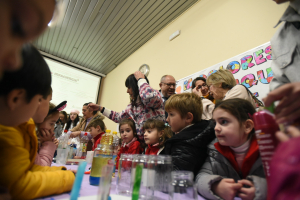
(284, 182)
(45, 154)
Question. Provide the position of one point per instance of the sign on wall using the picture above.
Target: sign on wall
(251, 68)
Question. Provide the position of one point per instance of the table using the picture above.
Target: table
(88, 190)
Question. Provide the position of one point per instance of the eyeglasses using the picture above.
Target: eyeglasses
(204, 85)
(170, 84)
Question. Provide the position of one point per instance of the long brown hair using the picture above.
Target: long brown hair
(160, 126)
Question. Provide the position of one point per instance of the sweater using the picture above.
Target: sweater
(19, 174)
(151, 106)
(237, 91)
(45, 154)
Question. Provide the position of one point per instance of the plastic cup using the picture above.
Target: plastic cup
(124, 175)
(141, 160)
(89, 157)
(183, 186)
(62, 155)
(159, 177)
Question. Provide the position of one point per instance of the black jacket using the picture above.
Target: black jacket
(188, 148)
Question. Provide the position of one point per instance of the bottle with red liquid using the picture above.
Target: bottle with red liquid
(265, 129)
(83, 145)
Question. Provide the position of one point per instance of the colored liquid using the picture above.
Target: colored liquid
(98, 163)
(107, 139)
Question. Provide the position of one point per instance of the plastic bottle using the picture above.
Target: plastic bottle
(115, 150)
(107, 138)
(102, 156)
(265, 129)
(74, 150)
(70, 154)
(83, 145)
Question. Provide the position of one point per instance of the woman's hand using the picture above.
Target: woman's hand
(247, 193)
(94, 107)
(197, 92)
(226, 188)
(291, 133)
(138, 75)
(46, 135)
(75, 134)
(288, 109)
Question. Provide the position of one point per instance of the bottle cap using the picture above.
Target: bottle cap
(65, 131)
(85, 133)
(108, 131)
(115, 132)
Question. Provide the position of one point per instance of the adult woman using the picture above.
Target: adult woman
(73, 119)
(199, 83)
(21, 21)
(222, 86)
(146, 103)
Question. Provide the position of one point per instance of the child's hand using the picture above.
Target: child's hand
(247, 193)
(46, 135)
(226, 188)
(55, 141)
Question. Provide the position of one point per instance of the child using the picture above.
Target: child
(20, 95)
(130, 140)
(156, 134)
(73, 119)
(234, 167)
(97, 128)
(192, 135)
(47, 142)
(43, 109)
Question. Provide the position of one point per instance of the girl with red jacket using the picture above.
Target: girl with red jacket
(156, 133)
(130, 141)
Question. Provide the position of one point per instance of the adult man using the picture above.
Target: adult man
(167, 88)
(88, 116)
(285, 47)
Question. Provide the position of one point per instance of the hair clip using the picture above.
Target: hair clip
(59, 107)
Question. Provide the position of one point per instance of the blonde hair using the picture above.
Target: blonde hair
(222, 76)
(184, 103)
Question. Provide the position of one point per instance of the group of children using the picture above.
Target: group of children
(225, 167)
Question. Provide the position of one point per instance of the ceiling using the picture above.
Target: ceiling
(99, 34)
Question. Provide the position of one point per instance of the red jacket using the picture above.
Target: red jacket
(97, 140)
(152, 150)
(131, 148)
